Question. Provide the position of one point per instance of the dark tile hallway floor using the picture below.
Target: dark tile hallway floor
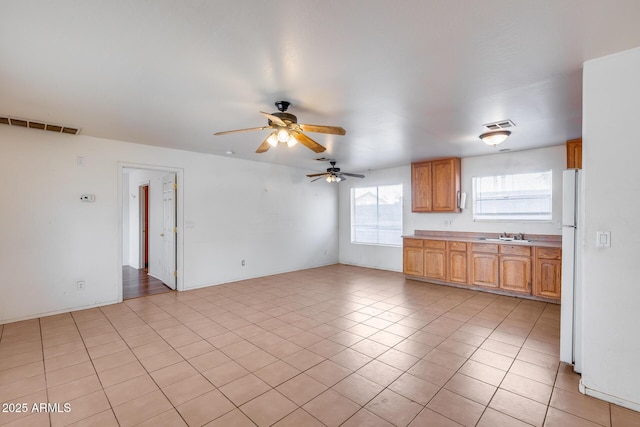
(137, 283)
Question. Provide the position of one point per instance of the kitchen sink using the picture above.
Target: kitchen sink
(505, 240)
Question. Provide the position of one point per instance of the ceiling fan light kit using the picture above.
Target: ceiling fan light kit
(286, 129)
(333, 174)
(496, 137)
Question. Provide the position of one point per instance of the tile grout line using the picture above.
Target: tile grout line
(94, 370)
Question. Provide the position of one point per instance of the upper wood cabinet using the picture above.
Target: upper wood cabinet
(435, 185)
(574, 153)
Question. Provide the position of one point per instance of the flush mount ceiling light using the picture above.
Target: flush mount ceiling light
(495, 138)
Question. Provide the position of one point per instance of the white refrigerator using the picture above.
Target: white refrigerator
(571, 296)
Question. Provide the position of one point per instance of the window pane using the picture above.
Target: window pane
(377, 215)
(519, 197)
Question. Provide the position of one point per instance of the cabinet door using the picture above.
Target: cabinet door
(484, 269)
(446, 184)
(413, 261)
(457, 271)
(515, 274)
(548, 278)
(434, 263)
(574, 153)
(421, 187)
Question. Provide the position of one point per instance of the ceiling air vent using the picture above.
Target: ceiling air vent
(17, 122)
(32, 124)
(499, 125)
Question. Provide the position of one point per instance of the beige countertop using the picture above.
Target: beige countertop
(538, 240)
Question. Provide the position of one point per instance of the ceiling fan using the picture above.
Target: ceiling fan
(333, 174)
(286, 128)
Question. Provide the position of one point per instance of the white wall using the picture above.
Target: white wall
(269, 215)
(611, 149)
(390, 258)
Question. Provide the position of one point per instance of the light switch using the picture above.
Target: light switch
(603, 239)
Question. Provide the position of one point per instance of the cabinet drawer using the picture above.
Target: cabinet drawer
(434, 244)
(549, 253)
(515, 250)
(458, 246)
(484, 247)
(413, 243)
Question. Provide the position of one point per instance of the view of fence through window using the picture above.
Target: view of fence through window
(517, 197)
(376, 215)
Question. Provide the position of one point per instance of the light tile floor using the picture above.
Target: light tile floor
(336, 345)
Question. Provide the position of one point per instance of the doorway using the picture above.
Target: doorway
(149, 250)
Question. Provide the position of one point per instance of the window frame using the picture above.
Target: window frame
(513, 216)
(377, 227)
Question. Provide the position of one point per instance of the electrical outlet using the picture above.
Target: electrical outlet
(80, 285)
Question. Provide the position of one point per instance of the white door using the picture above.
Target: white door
(169, 230)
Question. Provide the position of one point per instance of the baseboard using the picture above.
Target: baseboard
(54, 312)
(634, 406)
(354, 264)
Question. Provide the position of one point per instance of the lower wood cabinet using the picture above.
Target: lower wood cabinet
(513, 268)
(457, 263)
(515, 273)
(548, 273)
(484, 265)
(413, 257)
(434, 259)
(484, 269)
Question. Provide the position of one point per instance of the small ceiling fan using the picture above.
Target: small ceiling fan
(286, 128)
(333, 174)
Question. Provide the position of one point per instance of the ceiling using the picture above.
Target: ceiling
(408, 81)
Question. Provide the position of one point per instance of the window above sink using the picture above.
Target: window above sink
(514, 197)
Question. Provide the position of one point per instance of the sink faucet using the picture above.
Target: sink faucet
(520, 236)
(504, 235)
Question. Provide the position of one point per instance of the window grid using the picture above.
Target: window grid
(515, 197)
(376, 215)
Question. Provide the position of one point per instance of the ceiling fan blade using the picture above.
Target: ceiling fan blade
(356, 175)
(242, 130)
(334, 130)
(313, 180)
(317, 174)
(274, 119)
(308, 142)
(264, 146)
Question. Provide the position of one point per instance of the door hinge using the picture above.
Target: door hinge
(175, 186)
(175, 273)
(175, 229)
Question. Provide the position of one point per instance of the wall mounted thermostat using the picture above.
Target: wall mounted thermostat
(88, 198)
